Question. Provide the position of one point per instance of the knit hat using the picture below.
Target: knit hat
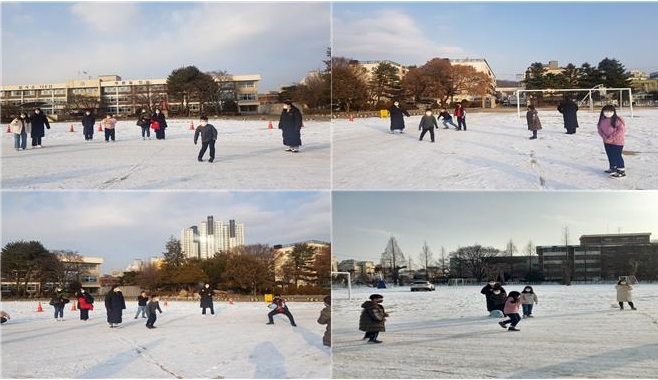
(375, 296)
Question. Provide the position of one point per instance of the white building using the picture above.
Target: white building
(210, 237)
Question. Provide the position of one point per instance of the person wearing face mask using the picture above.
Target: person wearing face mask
(397, 114)
(528, 300)
(290, 125)
(498, 296)
(162, 122)
(624, 294)
(20, 127)
(373, 318)
(511, 310)
(208, 135)
(488, 291)
(108, 125)
(88, 121)
(144, 121)
(460, 114)
(428, 123)
(206, 299)
(534, 124)
(612, 130)
(39, 121)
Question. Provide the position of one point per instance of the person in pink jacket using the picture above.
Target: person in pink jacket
(511, 310)
(612, 130)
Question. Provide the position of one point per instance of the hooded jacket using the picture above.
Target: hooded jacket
(373, 317)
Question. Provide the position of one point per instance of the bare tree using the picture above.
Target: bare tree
(426, 258)
(394, 257)
(476, 260)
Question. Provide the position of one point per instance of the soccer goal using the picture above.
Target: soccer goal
(607, 95)
(455, 282)
(632, 280)
(341, 279)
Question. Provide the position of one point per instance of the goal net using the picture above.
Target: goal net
(342, 280)
(456, 282)
(629, 279)
(591, 98)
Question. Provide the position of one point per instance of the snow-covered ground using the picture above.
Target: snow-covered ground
(494, 153)
(234, 344)
(248, 156)
(577, 332)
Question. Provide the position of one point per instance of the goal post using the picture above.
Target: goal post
(587, 93)
(349, 282)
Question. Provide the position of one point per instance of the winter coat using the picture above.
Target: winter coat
(624, 293)
(325, 319)
(494, 302)
(610, 134)
(445, 115)
(38, 122)
(428, 122)
(207, 133)
(86, 301)
(533, 120)
(568, 109)
(278, 304)
(144, 120)
(108, 123)
(528, 298)
(460, 113)
(511, 306)
(152, 307)
(206, 297)
(160, 118)
(373, 317)
(88, 122)
(141, 300)
(397, 117)
(114, 303)
(18, 125)
(59, 299)
(290, 125)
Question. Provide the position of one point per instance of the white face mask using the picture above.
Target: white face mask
(428, 113)
(608, 114)
(496, 292)
(396, 104)
(87, 113)
(203, 123)
(37, 112)
(527, 290)
(157, 111)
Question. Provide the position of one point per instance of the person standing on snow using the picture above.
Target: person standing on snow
(108, 125)
(612, 130)
(428, 124)
(279, 306)
(151, 307)
(533, 121)
(460, 114)
(528, 300)
(208, 135)
(325, 319)
(397, 113)
(58, 300)
(569, 109)
(624, 294)
(142, 299)
(20, 127)
(88, 121)
(115, 303)
(290, 125)
(162, 122)
(85, 303)
(206, 299)
(373, 318)
(488, 291)
(39, 121)
(144, 121)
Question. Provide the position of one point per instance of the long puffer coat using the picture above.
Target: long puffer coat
(206, 297)
(373, 317)
(568, 109)
(397, 117)
(624, 293)
(114, 303)
(290, 125)
(325, 319)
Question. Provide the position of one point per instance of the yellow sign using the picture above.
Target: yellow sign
(268, 298)
(383, 114)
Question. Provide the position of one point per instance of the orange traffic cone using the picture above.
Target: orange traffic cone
(269, 126)
(351, 117)
(73, 306)
(191, 125)
(39, 308)
(71, 129)
(100, 129)
(9, 129)
(230, 301)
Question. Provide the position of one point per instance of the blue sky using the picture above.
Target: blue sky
(509, 35)
(123, 226)
(362, 222)
(50, 42)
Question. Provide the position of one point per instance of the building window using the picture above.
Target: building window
(247, 84)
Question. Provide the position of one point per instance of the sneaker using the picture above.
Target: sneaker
(135, 317)
(294, 325)
(295, 150)
(513, 329)
(375, 341)
(610, 171)
(39, 146)
(533, 138)
(502, 324)
(531, 316)
(269, 323)
(633, 308)
(200, 159)
(618, 174)
(288, 149)
(211, 160)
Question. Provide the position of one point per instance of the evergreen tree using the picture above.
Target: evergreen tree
(173, 256)
(385, 82)
(613, 74)
(534, 77)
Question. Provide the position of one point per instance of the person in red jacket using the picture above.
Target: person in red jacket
(612, 130)
(460, 114)
(85, 303)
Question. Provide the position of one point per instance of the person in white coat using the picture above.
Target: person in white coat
(624, 294)
(20, 127)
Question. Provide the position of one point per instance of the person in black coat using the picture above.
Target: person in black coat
(397, 114)
(160, 118)
(206, 299)
(290, 125)
(144, 121)
(39, 121)
(208, 134)
(492, 299)
(568, 108)
(114, 303)
(88, 121)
